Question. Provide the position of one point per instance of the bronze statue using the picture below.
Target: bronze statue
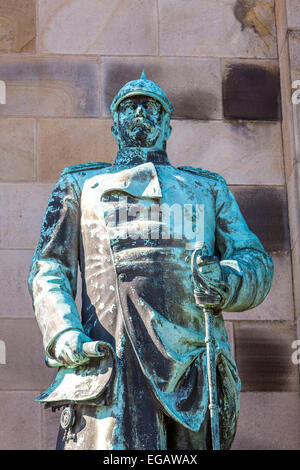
(141, 367)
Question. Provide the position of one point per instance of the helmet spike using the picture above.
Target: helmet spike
(143, 87)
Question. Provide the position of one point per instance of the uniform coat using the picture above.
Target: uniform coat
(137, 296)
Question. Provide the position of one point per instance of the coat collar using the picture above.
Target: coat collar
(132, 156)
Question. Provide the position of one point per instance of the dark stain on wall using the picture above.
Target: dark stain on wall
(263, 355)
(257, 15)
(251, 91)
(241, 10)
(266, 213)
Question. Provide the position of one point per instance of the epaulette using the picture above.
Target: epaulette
(85, 167)
(201, 172)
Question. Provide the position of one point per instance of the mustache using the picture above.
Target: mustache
(138, 121)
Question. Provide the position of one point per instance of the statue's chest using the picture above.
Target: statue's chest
(149, 206)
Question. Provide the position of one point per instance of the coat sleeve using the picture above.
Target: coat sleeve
(53, 272)
(246, 266)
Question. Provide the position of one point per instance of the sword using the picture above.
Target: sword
(207, 297)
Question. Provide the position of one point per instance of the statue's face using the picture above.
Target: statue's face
(140, 120)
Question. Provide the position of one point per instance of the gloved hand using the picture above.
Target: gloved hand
(209, 266)
(210, 288)
(68, 348)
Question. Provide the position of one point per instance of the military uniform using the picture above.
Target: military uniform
(137, 296)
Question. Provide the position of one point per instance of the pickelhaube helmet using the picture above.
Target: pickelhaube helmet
(145, 87)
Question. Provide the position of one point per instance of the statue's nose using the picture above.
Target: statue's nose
(140, 111)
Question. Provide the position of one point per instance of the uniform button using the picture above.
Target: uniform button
(122, 277)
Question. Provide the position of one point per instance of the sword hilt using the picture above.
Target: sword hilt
(205, 293)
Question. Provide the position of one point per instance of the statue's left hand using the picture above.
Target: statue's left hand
(209, 266)
(211, 272)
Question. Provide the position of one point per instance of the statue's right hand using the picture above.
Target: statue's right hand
(68, 348)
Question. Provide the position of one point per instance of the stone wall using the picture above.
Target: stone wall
(227, 66)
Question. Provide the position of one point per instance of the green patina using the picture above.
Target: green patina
(152, 300)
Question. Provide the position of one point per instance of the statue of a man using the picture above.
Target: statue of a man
(151, 390)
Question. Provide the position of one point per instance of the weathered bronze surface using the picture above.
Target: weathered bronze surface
(132, 228)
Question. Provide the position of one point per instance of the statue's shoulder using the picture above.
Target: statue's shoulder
(204, 173)
(84, 167)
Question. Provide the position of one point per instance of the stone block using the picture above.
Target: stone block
(50, 86)
(263, 355)
(266, 213)
(281, 23)
(193, 85)
(17, 26)
(287, 110)
(242, 152)
(15, 300)
(25, 368)
(288, 138)
(100, 27)
(278, 304)
(293, 192)
(293, 14)
(22, 207)
(17, 142)
(285, 79)
(218, 28)
(65, 142)
(50, 426)
(251, 90)
(294, 45)
(268, 421)
(21, 421)
(293, 40)
(296, 276)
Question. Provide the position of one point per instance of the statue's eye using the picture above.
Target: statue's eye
(153, 108)
(131, 107)
(127, 106)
